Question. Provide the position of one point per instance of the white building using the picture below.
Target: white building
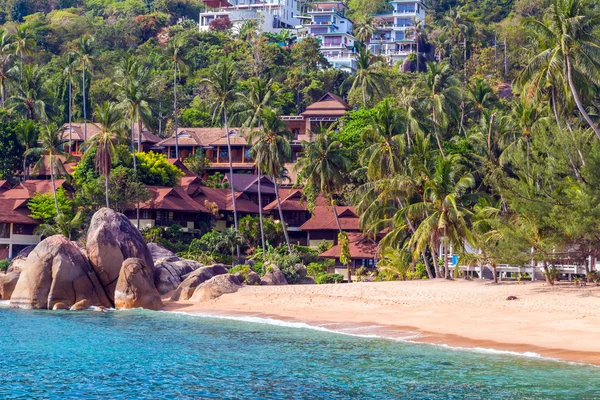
(273, 15)
(395, 37)
(329, 24)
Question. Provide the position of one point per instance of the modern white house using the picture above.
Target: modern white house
(395, 38)
(329, 24)
(273, 15)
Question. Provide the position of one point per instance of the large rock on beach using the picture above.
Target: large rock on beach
(135, 286)
(194, 279)
(8, 282)
(18, 262)
(274, 276)
(169, 272)
(112, 239)
(158, 252)
(56, 271)
(216, 287)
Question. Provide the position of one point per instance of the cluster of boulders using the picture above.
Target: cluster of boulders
(116, 269)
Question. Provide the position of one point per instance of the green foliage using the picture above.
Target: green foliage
(10, 148)
(329, 278)
(155, 170)
(315, 269)
(249, 228)
(42, 205)
(4, 264)
(216, 181)
(197, 163)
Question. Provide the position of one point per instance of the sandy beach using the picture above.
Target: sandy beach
(561, 322)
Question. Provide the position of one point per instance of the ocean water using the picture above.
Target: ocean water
(141, 354)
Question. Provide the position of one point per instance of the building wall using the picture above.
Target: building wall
(10, 243)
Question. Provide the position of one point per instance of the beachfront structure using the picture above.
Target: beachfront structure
(323, 227)
(329, 24)
(74, 136)
(17, 228)
(395, 37)
(271, 16)
(363, 253)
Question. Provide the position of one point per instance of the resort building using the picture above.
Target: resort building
(271, 15)
(322, 226)
(329, 24)
(248, 185)
(363, 253)
(75, 134)
(395, 37)
(295, 213)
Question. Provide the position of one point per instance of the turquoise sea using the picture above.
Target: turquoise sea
(153, 355)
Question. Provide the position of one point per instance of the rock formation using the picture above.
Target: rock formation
(8, 282)
(17, 263)
(169, 272)
(186, 289)
(216, 287)
(135, 286)
(274, 276)
(57, 272)
(157, 252)
(112, 239)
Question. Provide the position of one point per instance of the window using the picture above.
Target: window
(247, 155)
(317, 31)
(400, 35)
(172, 153)
(4, 231)
(146, 214)
(23, 229)
(367, 262)
(333, 41)
(223, 154)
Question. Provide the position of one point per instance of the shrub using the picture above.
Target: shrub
(290, 273)
(315, 269)
(329, 278)
(155, 170)
(307, 255)
(4, 265)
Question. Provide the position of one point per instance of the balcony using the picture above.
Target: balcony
(236, 159)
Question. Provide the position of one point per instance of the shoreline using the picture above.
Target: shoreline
(545, 322)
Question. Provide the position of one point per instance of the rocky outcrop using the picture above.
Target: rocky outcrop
(112, 239)
(135, 286)
(169, 272)
(81, 305)
(186, 289)
(17, 263)
(300, 270)
(274, 276)
(57, 272)
(248, 277)
(216, 287)
(157, 252)
(8, 282)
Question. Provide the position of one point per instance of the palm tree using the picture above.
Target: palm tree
(63, 225)
(364, 28)
(443, 94)
(229, 240)
(260, 94)
(84, 48)
(459, 27)
(444, 218)
(69, 64)
(6, 63)
(480, 96)
(416, 30)
(322, 169)
(27, 133)
(23, 43)
(175, 49)
(367, 76)
(110, 120)
(570, 47)
(271, 150)
(31, 98)
(222, 81)
(51, 146)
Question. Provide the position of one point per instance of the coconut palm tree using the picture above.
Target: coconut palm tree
(459, 28)
(271, 150)
(27, 133)
(175, 52)
(63, 225)
(222, 82)
(85, 50)
(416, 31)
(364, 28)
(442, 214)
(479, 96)
(69, 64)
(367, 76)
(23, 44)
(6, 63)
(51, 148)
(31, 98)
(570, 48)
(111, 123)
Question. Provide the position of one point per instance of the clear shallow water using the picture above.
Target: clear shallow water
(143, 354)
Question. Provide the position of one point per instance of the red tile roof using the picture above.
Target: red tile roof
(93, 129)
(43, 169)
(293, 200)
(4, 186)
(330, 105)
(179, 164)
(15, 211)
(359, 246)
(323, 219)
(248, 183)
(173, 199)
(26, 190)
(222, 198)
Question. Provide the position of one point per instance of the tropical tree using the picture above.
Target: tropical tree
(416, 31)
(229, 240)
(69, 64)
(111, 125)
(364, 28)
(51, 150)
(271, 150)
(31, 98)
(568, 45)
(63, 225)
(367, 76)
(27, 133)
(6, 63)
(442, 212)
(85, 50)
(222, 81)
(175, 53)
(23, 43)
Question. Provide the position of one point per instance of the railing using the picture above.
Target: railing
(234, 159)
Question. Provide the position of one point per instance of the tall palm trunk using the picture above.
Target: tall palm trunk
(175, 117)
(547, 272)
(139, 149)
(260, 215)
(137, 194)
(70, 115)
(435, 130)
(339, 225)
(25, 163)
(576, 96)
(285, 232)
(233, 202)
(84, 109)
(423, 255)
(446, 270)
(106, 186)
(3, 88)
(54, 185)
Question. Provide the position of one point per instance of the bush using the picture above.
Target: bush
(307, 255)
(290, 273)
(315, 269)
(4, 265)
(329, 278)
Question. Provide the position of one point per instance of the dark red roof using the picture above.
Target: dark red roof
(248, 183)
(324, 219)
(15, 211)
(330, 105)
(172, 199)
(222, 198)
(179, 164)
(359, 246)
